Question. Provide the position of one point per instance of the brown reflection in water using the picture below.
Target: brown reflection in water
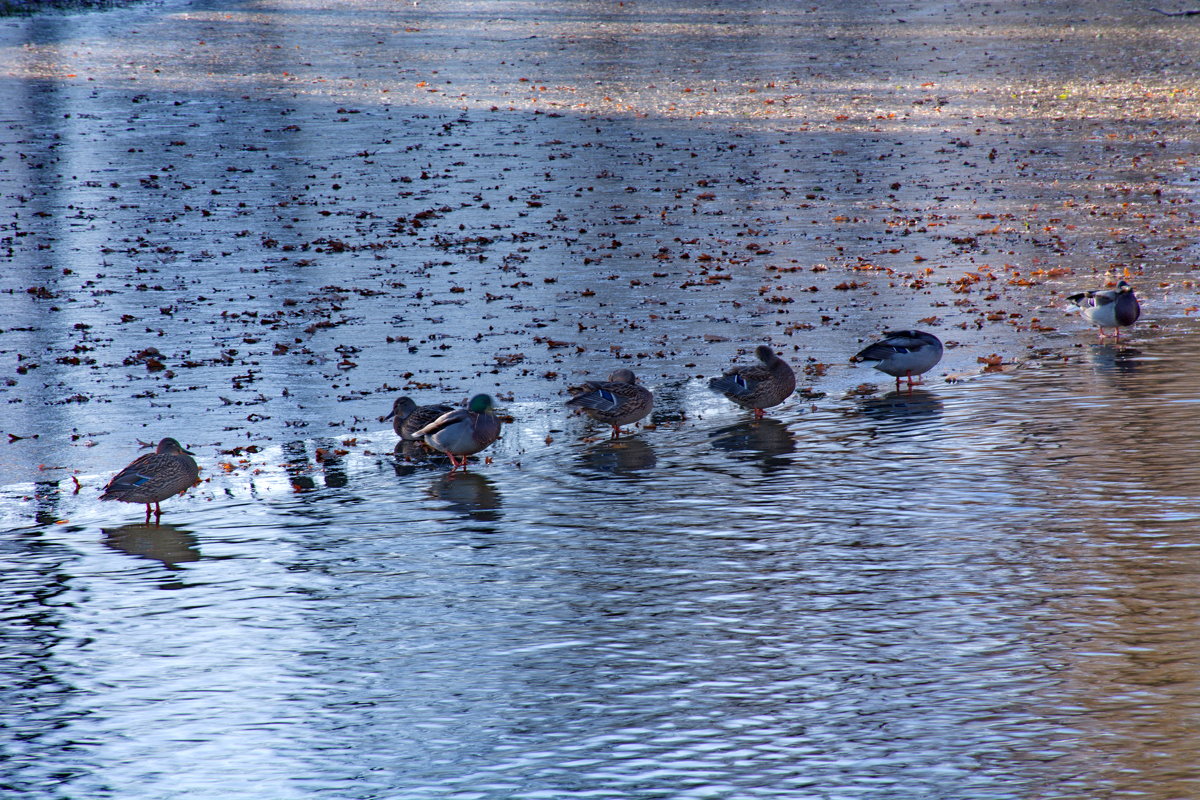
(916, 405)
(166, 543)
(761, 440)
(619, 456)
(470, 493)
(1107, 443)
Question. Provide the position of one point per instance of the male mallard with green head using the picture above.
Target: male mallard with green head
(463, 432)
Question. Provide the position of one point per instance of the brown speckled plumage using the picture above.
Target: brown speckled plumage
(617, 401)
(407, 417)
(758, 386)
(154, 477)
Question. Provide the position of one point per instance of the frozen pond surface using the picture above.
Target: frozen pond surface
(252, 225)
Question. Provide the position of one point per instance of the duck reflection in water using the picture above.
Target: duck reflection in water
(297, 466)
(46, 498)
(1114, 359)
(903, 405)
(167, 544)
(300, 467)
(469, 493)
(763, 439)
(619, 456)
(329, 456)
(412, 456)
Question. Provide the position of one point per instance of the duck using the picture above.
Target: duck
(617, 401)
(757, 386)
(407, 417)
(464, 431)
(153, 477)
(1108, 308)
(903, 354)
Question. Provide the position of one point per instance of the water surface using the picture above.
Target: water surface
(253, 225)
(976, 590)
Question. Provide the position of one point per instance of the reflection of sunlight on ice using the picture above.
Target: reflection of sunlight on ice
(275, 470)
(270, 472)
(175, 189)
(455, 60)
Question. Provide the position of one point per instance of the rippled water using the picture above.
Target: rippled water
(984, 589)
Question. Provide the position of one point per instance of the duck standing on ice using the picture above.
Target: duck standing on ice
(903, 354)
(1108, 308)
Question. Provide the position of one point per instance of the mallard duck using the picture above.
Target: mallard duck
(464, 431)
(152, 478)
(617, 401)
(758, 386)
(1108, 308)
(407, 417)
(903, 354)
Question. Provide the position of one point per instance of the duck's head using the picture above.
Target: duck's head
(401, 408)
(170, 447)
(622, 376)
(765, 354)
(481, 404)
